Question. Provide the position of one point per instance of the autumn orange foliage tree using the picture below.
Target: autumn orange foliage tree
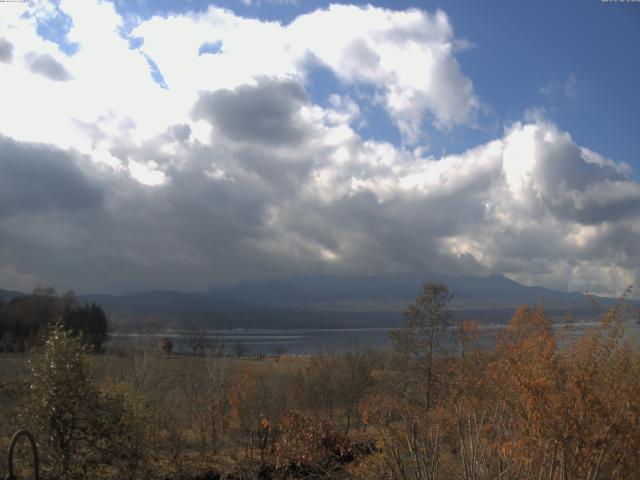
(546, 403)
(576, 408)
(308, 447)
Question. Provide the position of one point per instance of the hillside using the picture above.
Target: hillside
(330, 302)
(340, 302)
(9, 294)
(359, 292)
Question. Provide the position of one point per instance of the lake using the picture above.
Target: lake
(305, 341)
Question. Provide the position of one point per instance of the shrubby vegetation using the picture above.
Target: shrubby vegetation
(543, 404)
(85, 430)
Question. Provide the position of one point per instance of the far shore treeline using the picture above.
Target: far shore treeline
(24, 320)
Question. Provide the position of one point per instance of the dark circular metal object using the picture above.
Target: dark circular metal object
(34, 451)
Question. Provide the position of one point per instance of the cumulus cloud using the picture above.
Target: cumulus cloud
(407, 57)
(180, 133)
(6, 50)
(549, 172)
(36, 177)
(47, 66)
(233, 172)
(265, 113)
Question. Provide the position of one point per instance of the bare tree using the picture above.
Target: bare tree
(196, 337)
(420, 337)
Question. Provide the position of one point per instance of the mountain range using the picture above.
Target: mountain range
(333, 302)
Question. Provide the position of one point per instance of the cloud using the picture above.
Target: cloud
(47, 66)
(276, 2)
(264, 114)
(331, 204)
(570, 86)
(408, 56)
(567, 88)
(6, 50)
(549, 172)
(180, 133)
(552, 218)
(232, 171)
(40, 178)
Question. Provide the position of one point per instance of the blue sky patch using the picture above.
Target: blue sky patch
(156, 74)
(210, 48)
(55, 29)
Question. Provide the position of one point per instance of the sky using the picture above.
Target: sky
(187, 144)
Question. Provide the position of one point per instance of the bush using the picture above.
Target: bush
(84, 432)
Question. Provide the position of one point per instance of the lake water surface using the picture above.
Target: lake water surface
(307, 341)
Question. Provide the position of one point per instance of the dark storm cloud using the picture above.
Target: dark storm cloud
(266, 113)
(36, 177)
(47, 66)
(6, 50)
(193, 231)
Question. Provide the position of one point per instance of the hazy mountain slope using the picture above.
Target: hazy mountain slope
(9, 294)
(331, 302)
(174, 308)
(469, 291)
(165, 302)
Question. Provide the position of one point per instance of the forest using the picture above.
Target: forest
(24, 320)
(543, 403)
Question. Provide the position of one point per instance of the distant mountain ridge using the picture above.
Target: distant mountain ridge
(166, 302)
(333, 301)
(9, 294)
(468, 291)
